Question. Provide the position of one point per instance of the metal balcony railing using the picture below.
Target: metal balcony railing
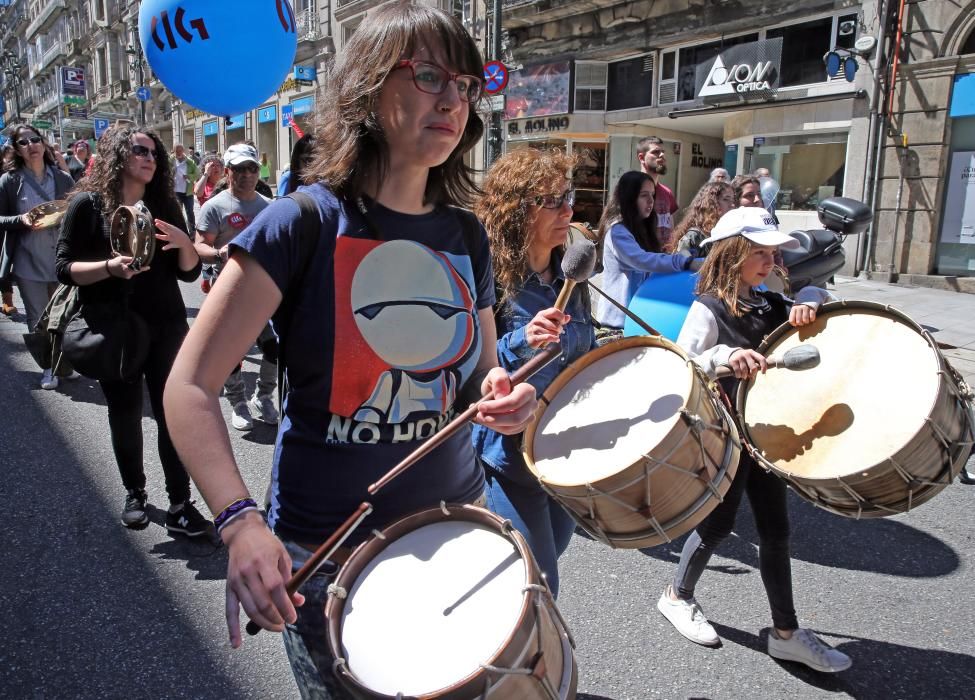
(307, 21)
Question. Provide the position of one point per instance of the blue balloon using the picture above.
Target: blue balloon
(220, 57)
(663, 302)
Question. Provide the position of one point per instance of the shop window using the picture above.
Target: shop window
(956, 244)
(803, 48)
(590, 182)
(808, 168)
(631, 83)
(590, 86)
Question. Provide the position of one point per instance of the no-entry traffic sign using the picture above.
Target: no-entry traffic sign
(495, 77)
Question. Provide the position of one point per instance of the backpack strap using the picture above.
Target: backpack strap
(309, 231)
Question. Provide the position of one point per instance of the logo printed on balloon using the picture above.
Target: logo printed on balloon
(287, 17)
(197, 24)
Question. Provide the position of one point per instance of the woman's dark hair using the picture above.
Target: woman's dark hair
(350, 147)
(622, 209)
(13, 160)
(301, 158)
(105, 179)
(740, 181)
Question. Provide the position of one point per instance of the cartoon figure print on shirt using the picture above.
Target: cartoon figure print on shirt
(406, 335)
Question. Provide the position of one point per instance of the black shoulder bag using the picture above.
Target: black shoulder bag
(106, 340)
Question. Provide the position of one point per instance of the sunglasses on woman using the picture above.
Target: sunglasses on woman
(28, 140)
(433, 80)
(554, 201)
(143, 151)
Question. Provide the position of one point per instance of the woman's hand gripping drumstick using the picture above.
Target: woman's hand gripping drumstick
(745, 363)
(321, 555)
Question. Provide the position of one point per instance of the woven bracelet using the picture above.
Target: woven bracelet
(238, 506)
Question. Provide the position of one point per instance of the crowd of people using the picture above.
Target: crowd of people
(401, 309)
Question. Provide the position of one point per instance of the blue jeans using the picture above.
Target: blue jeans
(544, 523)
(306, 641)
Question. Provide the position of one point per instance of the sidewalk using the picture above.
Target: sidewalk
(949, 316)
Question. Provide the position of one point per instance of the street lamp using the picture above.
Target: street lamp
(137, 62)
(12, 66)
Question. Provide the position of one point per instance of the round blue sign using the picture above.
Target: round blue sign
(143, 94)
(495, 77)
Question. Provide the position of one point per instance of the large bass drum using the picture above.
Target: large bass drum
(880, 426)
(634, 442)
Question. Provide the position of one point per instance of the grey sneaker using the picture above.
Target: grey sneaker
(804, 647)
(688, 618)
(134, 511)
(242, 419)
(263, 407)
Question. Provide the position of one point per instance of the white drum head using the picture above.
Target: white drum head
(610, 414)
(432, 607)
(871, 393)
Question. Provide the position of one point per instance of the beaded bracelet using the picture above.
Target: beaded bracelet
(236, 515)
(237, 507)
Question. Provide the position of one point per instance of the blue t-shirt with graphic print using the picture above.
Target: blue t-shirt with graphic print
(384, 335)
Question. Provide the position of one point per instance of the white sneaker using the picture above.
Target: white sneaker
(48, 380)
(263, 407)
(688, 618)
(805, 647)
(242, 417)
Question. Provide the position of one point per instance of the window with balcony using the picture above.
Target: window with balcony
(101, 65)
(631, 83)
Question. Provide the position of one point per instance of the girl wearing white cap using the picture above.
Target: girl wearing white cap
(731, 317)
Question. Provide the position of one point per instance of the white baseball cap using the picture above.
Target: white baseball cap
(240, 153)
(755, 224)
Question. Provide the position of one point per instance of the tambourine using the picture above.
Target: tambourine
(47, 215)
(132, 234)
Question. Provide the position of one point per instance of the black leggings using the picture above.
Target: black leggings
(124, 401)
(767, 498)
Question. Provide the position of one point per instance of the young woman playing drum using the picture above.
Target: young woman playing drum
(729, 318)
(632, 250)
(392, 316)
(526, 208)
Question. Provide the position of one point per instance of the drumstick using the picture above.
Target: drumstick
(577, 265)
(315, 561)
(523, 373)
(633, 317)
(800, 357)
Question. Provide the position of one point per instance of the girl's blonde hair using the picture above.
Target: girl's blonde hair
(721, 273)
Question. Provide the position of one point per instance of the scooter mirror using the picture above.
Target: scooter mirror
(770, 190)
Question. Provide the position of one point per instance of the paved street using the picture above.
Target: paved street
(97, 611)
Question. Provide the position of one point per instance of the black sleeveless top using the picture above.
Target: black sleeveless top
(747, 331)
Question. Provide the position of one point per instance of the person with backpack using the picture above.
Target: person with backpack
(387, 326)
(31, 177)
(526, 208)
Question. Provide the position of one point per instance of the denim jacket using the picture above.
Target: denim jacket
(503, 452)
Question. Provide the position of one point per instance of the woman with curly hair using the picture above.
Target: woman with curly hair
(133, 167)
(526, 208)
(631, 250)
(31, 177)
(393, 333)
(710, 203)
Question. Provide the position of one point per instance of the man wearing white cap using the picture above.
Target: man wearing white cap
(728, 320)
(222, 217)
